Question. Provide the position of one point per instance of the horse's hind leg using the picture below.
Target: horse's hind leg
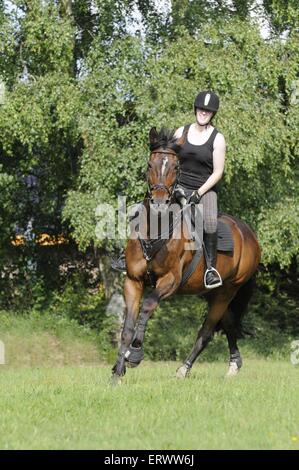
(218, 304)
(203, 338)
(231, 324)
(235, 359)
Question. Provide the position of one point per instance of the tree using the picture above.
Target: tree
(233, 60)
(85, 83)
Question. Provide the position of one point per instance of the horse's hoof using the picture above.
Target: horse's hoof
(115, 380)
(132, 365)
(233, 369)
(134, 356)
(182, 372)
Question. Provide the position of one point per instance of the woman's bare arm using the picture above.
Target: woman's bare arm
(218, 164)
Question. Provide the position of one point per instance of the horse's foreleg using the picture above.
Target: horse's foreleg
(133, 290)
(218, 305)
(149, 305)
(166, 285)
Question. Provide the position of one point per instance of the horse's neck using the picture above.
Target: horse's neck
(167, 224)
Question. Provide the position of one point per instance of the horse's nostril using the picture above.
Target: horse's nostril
(167, 201)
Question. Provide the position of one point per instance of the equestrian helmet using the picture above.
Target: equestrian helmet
(207, 100)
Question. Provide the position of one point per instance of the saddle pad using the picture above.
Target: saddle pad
(225, 240)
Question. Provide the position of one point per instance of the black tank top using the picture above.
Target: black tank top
(196, 162)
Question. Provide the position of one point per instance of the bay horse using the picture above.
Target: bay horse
(226, 304)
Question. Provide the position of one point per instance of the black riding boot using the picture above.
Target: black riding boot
(212, 277)
(120, 263)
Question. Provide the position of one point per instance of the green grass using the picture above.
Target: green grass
(46, 340)
(55, 394)
(76, 408)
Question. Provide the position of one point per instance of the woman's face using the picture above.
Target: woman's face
(203, 116)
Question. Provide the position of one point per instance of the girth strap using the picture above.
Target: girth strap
(191, 267)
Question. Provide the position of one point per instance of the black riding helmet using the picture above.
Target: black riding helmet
(207, 100)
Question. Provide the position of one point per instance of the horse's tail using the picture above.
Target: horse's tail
(237, 309)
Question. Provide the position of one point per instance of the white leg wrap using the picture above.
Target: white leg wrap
(182, 372)
(232, 370)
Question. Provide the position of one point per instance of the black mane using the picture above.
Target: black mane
(165, 139)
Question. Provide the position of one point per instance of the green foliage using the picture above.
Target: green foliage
(75, 302)
(48, 38)
(254, 84)
(79, 122)
(172, 331)
(283, 14)
(7, 187)
(279, 232)
(38, 127)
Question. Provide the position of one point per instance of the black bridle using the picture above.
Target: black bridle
(168, 189)
(151, 247)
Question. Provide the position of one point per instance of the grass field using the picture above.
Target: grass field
(55, 393)
(76, 408)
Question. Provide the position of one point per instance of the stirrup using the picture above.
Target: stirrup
(212, 286)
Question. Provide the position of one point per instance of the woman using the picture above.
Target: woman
(202, 159)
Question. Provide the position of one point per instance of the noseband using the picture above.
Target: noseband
(169, 189)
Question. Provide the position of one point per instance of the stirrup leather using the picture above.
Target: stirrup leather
(217, 284)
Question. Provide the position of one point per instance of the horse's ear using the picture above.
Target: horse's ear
(153, 135)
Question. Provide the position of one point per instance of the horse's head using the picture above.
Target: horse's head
(163, 168)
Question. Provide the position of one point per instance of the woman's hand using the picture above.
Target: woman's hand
(194, 198)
